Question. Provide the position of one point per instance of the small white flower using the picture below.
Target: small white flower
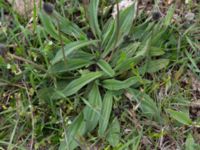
(50, 43)
(69, 122)
(8, 66)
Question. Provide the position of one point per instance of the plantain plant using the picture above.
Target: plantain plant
(100, 70)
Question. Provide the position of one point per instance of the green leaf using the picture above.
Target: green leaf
(74, 132)
(147, 104)
(134, 142)
(131, 49)
(42, 94)
(109, 33)
(190, 144)
(81, 55)
(105, 113)
(141, 30)
(140, 54)
(156, 51)
(156, 65)
(181, 117)
(125, 53)
(93, 17)
(72, 64)
(50, 28)
(70, 28)
(113, 84)
(126, 19)
(106, 67)
(169, 16)
(160, 35)
(145, 47)
(75, 85)
(192, 60)
(114, 133)
(71, 47)
(127, 64)
(93, 109)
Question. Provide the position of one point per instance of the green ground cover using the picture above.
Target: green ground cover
(74, 77)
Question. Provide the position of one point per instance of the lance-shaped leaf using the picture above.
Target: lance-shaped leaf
(181, 117)
(106, 67)
(169, 16)
(114, 133)
(71, 47)
(113, 84)
(105, 113)
(111, 32)
(93, 17)
(49, 27)
(72, 64)
(155, 65)
(93, 109)
(75, 85)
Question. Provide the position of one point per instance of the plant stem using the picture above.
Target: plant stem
(117, 31)
(61, 40)
(27, 61)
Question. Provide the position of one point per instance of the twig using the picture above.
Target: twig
(61, 40)
(65, 130)
(32, 117)
(27, 61)
(85, 6)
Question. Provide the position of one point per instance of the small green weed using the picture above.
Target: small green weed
(85, 80)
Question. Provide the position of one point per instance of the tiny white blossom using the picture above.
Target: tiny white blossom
(50, 43)
(8, 66)
(69, 122)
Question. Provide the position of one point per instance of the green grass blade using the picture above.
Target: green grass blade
(12, 135)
